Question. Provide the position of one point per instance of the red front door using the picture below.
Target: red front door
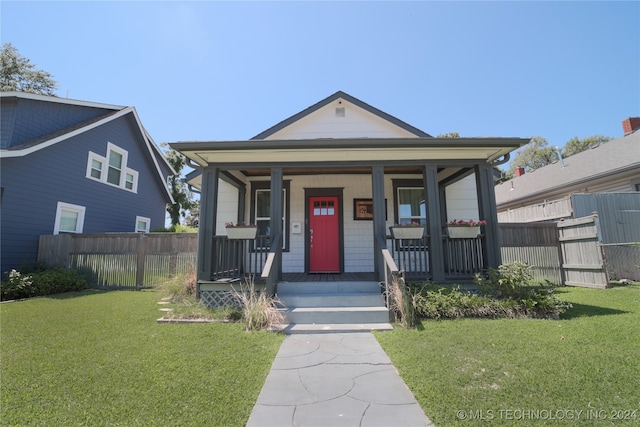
(324, 235)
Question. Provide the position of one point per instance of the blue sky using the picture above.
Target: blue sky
(229, 70)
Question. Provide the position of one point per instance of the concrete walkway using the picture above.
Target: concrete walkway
(335, 379)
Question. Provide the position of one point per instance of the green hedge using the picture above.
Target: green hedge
(42, 281)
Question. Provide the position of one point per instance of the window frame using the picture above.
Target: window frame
(402, 184)
(144, 219)
(105, 167)
(257, 186)
(63, 206)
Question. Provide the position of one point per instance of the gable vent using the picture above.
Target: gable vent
(340, 111)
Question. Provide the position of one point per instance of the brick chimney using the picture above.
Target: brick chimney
(630, 124)
(519, 171)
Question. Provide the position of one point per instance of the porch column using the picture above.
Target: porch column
(208, 218)
(379, 222)
(487, 209)
(276, 218)
(434, 222)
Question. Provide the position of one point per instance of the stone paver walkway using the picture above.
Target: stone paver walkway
(335, 379)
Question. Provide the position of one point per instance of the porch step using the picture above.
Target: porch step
(323, 315)
(327, 287)
(326, 328)
(346, 299)
(332, 307)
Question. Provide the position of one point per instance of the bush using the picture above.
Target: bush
(401, 303)
(514, 282)
(451, 303)
(176, 228)
(504, 292)
(259, 310)
(43, 281)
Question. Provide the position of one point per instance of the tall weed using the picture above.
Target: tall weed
(259, 310)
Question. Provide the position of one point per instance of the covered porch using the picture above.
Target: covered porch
(329, 167)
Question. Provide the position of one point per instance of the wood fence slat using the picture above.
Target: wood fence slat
(121, 260)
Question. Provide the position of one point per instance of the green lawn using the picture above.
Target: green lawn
(100, 358)
(529, 372)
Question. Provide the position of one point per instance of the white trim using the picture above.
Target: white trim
(145, 220)
(133, 173)
(57, 100)
(4, 153)
(94, 156)
(123, 165)
(62, 206)
(20, 153)
(104, 175)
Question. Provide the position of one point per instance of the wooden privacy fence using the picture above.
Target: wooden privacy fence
(121, 260)
(570, 252)
(582, 260)
(534, 243)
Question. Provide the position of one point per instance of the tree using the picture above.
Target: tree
(182, 197)
(575, 145)
(534, 155)
(449, 135)
(17, 73)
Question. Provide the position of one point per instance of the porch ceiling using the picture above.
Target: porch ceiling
(257, 154)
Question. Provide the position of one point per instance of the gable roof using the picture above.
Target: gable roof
(341, 95)
(27, 147)
(618, 156)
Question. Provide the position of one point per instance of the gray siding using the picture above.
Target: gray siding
(618, 213)
(29, 119)
(34, 184)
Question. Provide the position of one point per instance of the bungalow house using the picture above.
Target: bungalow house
(73, 166)
(325, 186)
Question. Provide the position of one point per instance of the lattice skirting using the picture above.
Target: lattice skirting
(219, 299)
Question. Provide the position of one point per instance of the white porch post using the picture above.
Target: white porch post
(487, 210)
(207, 226)
(379, 224)
(434, 222)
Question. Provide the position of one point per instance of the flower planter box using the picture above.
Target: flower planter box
(463, 232)
(407, 232)
(242, 233)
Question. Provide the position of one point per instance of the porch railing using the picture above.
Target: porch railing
(411, 256)
(391, 273)
(269, 273)
(236, 258)
(462, 257)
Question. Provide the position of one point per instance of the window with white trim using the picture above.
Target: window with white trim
(143, 224)
(112, 169)
(69, 218)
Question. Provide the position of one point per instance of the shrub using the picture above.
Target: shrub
(42, 282)
(259, 310)
(452, 303)
(176, 228)
(514, 282)
(401, 303)
(16, 286)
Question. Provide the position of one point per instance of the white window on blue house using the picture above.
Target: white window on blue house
(143, 224)
(112, 169)
(69, 218)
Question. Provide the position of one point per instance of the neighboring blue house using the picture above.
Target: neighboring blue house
(71, 166)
